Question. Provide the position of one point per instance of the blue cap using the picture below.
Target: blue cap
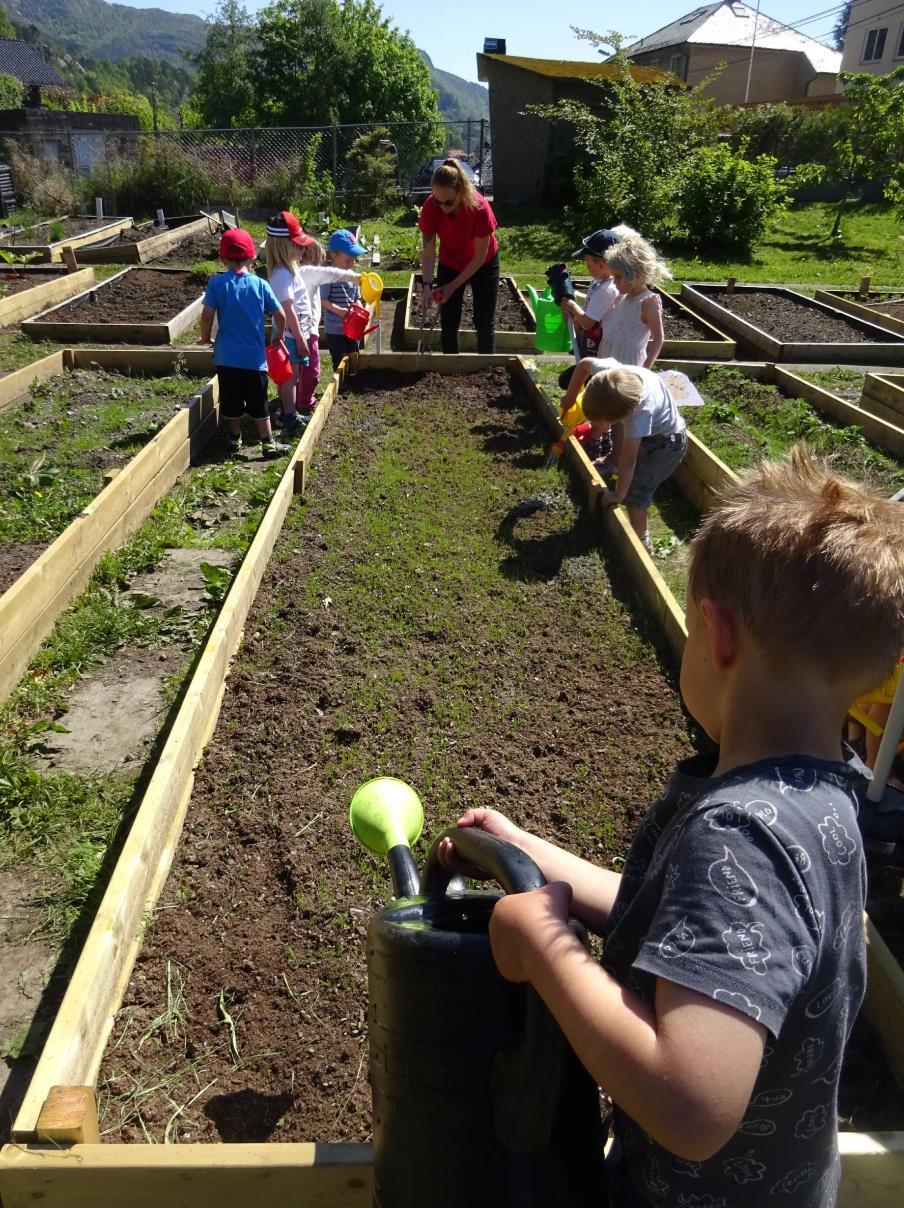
(596, 244)
(344, 241)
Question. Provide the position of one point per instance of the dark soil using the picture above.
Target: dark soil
(192, 249)
(10, 283)
(894, 308)
(41, 235)
(14, 559)
(511, 314)
(792, 320)
(679, 325)
(410, 623)
(139, 296)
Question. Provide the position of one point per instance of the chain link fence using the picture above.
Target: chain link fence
(249, 155)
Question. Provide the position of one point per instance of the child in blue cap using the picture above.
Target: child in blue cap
(338, 296)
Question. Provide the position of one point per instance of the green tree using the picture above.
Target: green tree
(839, 30)
(12, 92)
(225, 94)
(631, 142)
(870, 148)
(7, 29)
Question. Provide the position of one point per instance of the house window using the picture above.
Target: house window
(875, 45)
(899, 53)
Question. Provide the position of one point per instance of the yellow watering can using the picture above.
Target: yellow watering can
(571, 419)
(371, 287)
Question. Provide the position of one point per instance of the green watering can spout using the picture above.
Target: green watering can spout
(386, 817)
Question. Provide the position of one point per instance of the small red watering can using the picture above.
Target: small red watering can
(279, 365)
(354, 325)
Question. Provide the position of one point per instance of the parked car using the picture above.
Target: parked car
(420, 183)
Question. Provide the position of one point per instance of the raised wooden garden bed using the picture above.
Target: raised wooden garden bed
(884, 308)
(686, 333)
(31, 605)
(27, 291)
(514, 320)
(145, 243)
(138, 306)
(57, 1156)
(883, 396)
(783, 325)
(76, 233)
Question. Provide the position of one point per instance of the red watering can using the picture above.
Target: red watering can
(279, 366)
(354, 325)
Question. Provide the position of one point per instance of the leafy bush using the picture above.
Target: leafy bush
(298, 183)
(162, 176)
(792, 133)
(40, 183)
(627, 142)
(372, 173)
(725, 200)
(12, 92)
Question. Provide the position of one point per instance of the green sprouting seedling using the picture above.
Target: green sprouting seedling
(56, 232)
(216, 580)
(17, 260)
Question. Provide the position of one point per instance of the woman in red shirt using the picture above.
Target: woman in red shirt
(468, 251)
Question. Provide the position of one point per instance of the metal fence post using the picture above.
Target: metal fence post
(252, 148)
(481, 154)
(71, 152)
(335, 157)
(469, 139)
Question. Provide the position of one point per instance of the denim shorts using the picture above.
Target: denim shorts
(657, 459)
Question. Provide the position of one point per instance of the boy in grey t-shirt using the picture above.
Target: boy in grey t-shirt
(733, 959)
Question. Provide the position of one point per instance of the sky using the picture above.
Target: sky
(452, 31)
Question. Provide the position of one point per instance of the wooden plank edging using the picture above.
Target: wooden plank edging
(75, 1045)
(15, 386)
(147, 249)
(28, 302)
(857, 311)
(30, 607)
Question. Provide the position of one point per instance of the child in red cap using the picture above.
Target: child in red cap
(240, 300)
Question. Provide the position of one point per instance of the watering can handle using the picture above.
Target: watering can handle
(505, 863)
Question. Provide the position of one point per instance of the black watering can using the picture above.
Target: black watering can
(478, 1098)
(560, 283)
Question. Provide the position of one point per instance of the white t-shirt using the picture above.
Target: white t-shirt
(601, 297)
(656, 413)
(301, 288)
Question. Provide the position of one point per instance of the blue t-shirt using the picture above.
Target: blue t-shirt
(241, 300)
(340, 293)
(749, 888)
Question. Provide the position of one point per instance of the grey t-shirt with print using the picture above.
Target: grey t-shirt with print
(749, 888)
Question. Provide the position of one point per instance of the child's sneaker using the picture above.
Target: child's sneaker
(294, 423)
(233, 443)
(276, 419)
(271, 449)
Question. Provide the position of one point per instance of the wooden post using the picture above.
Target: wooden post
(299, 481)
(69, 259)
(865, 283)
(69, 1117)
(732, 282)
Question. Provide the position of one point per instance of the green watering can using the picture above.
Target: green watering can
(552, 333)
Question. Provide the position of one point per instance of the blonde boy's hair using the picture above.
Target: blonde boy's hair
(814, 565)
(313, 254)
(634, 257)
(281, 253)
(612, 394)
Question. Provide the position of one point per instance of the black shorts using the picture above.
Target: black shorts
(242, 390)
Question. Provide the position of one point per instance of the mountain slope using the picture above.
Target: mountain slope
(99, 30)
(458, 98)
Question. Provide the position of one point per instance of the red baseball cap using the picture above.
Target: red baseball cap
(285, 225)
(236, 244)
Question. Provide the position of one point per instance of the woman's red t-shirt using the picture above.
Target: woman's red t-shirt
(457, 232)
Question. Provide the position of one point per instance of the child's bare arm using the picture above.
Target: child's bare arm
(683, 1068)
(594, 888)
(583, 370)
(279, 325)
(651, 314)
(293, 327)
(207, 317)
